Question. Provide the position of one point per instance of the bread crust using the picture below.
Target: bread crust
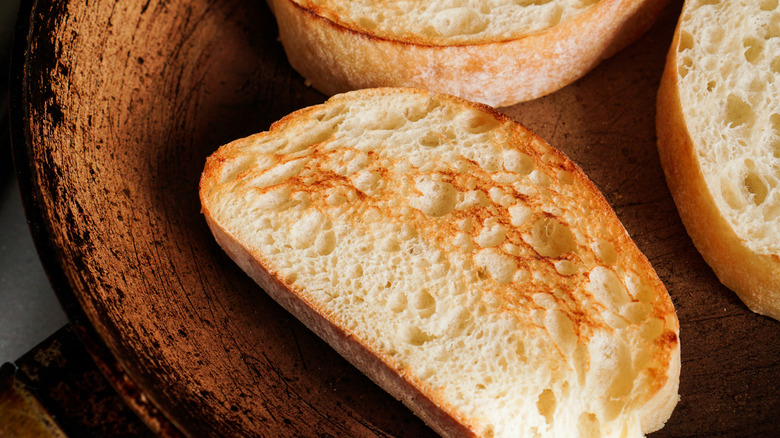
(660, 374)
(754, 277)
(335, 58)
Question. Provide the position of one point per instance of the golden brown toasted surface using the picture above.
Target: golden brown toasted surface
(470, 256)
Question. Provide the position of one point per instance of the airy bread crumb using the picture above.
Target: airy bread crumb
(719, 140)
(419, 262)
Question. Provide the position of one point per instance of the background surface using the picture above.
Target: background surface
(29, 310)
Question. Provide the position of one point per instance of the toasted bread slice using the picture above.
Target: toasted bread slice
(499, 52)
(470, 269)
(718, 129)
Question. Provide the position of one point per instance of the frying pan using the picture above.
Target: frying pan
(117, 103)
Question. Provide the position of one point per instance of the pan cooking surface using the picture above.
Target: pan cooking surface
(117, 104)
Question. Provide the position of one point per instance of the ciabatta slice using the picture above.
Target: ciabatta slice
(718, 129)
(470, 269)
(497, 52)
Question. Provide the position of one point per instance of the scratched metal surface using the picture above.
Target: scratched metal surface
(118, 103)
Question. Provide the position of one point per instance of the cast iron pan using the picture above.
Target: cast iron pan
(117, 103)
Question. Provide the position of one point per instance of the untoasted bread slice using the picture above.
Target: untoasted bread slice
(470, 269)
(718, 129)
(499, 52)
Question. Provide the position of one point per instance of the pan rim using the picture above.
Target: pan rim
(21, 150)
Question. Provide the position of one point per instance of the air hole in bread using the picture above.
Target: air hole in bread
(566, 268)
(738, 112)
(565, 177)
(478, 122)
(687, 62)
(330, 113)
(519, 214)
(636, 312)
(290, 277)
(459, 21)
(753, 49)
(438, 197)
(756, 186)
(492, 234)
(432, 139)
(550, 238)
(540, 178)
(555, 15)
(397, 302)
(774, 120)
(581, 358)
(279, 174)
(517, 162)
(711, 85)
(424, 302)
(606, 288)
(500, 266)
(325, 243)
(274, 200)
(545, 404)
(731, 194)
(415, 336)
(708, 2)
(389, 244)
(775, 145)
(316, 134)
(589, 425)
(415, 113)
(605, 251)
(773, 27)
(768, 5)
(561, 329)
(682, 70)
(686, 41)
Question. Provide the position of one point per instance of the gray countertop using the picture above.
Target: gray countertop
(29, 310)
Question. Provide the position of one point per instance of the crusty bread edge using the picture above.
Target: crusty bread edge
(754, 277)
(336, 59)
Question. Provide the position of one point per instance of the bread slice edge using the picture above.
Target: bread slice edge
(752, 276)
(335, 58)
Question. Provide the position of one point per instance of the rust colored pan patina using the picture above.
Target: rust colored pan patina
(117, 103)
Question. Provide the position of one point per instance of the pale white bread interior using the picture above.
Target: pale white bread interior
(719, 140)
(497, 52)
(469, 268)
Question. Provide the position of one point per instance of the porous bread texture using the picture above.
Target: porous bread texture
(469, 258)
(719, 106)
(446, 22)
(498, 53)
